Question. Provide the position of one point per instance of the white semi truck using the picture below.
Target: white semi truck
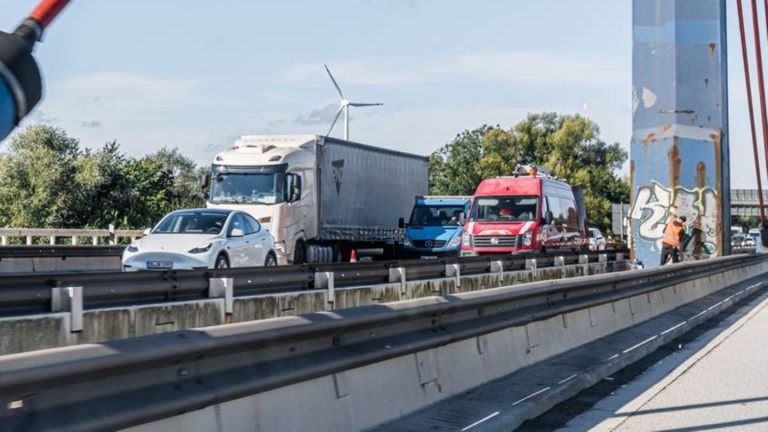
(320, 197)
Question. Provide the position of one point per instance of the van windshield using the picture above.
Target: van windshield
(505, 208)
(435, 215)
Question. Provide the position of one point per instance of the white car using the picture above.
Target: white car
(596, 239)
(202, 238)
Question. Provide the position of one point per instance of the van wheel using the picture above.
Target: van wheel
(300, 253)
(271, 261)
(222, 262)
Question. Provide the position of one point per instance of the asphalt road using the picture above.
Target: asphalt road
(721, 385)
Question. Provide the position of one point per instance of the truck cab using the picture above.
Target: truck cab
(530, 211)
(435, 227)
(272, 178)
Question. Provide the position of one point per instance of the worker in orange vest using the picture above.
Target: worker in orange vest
(670, 243)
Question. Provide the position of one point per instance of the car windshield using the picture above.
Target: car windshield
(250, 188)
(505, 208)
(738, 237)
(199, 222)
(429, 215)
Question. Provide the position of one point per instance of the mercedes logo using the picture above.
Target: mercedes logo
(494, 240)
(428, 243)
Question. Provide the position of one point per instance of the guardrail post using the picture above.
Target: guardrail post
(94, 240)
(52, 240)
(74, 240)
(603, 260)
(325, 280)
(69, 299)
(397, 274)
(112, 238)
(559, 261)
(223, 288)
(532, 265)
(498, 268)
(4, 240)
(454, 270)
(29, 240)
(584, 263)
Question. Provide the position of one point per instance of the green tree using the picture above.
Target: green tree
(569, 145)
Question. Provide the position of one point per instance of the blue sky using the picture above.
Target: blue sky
(197, 74)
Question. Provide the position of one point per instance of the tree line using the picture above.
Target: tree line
(48, 180)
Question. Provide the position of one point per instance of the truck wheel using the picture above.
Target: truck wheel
(300, 253)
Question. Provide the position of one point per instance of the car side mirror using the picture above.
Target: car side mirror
(548, 217)
(237, 232)
(147, 231)
(401, 223)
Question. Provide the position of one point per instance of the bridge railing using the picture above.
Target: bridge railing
(59, 236)
(128, 382)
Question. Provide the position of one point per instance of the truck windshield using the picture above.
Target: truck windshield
(248, 188)
(436, 215)
(505, 208)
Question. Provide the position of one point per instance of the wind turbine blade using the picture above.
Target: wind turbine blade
(364, 104)
(335, 119)
(334, 81)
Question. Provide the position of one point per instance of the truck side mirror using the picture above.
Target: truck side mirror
(548, 217)
(205, 179)
(401, 223)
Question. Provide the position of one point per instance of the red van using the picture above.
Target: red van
(526, 212)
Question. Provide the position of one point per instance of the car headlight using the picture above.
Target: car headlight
(201, 249)
(527, 238)
(132, 248)
(407, 242)
(466, 239)
(455, 241)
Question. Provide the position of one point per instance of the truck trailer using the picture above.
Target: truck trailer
(320, 197)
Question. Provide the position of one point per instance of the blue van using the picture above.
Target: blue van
(436, 226)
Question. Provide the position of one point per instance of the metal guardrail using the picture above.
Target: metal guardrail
(35, 293)
(59, 251)
(132, 381)
(74, 235)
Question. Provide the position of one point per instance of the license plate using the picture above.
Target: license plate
(159, 264)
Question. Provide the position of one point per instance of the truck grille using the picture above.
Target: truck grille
(495, 241)
(429, 243)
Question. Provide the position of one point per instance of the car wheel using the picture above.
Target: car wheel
(271, 260)
(222, 262)
(300, 253)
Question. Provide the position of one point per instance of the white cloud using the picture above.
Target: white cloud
(540, 68)
(519, 67)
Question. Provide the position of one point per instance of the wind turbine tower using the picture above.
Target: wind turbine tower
(344, 105)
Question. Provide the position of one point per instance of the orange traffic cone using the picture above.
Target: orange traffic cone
(353, 256)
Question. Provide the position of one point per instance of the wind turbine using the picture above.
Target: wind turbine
(344, 106)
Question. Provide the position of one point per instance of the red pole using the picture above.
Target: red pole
(47, 10)
(751, 111)
(760, 85)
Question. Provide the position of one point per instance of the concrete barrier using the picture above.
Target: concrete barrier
(29, 333)
(371, 395)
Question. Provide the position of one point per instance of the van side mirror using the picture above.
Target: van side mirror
(548, 217)
(462, 218)
(401, 223)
